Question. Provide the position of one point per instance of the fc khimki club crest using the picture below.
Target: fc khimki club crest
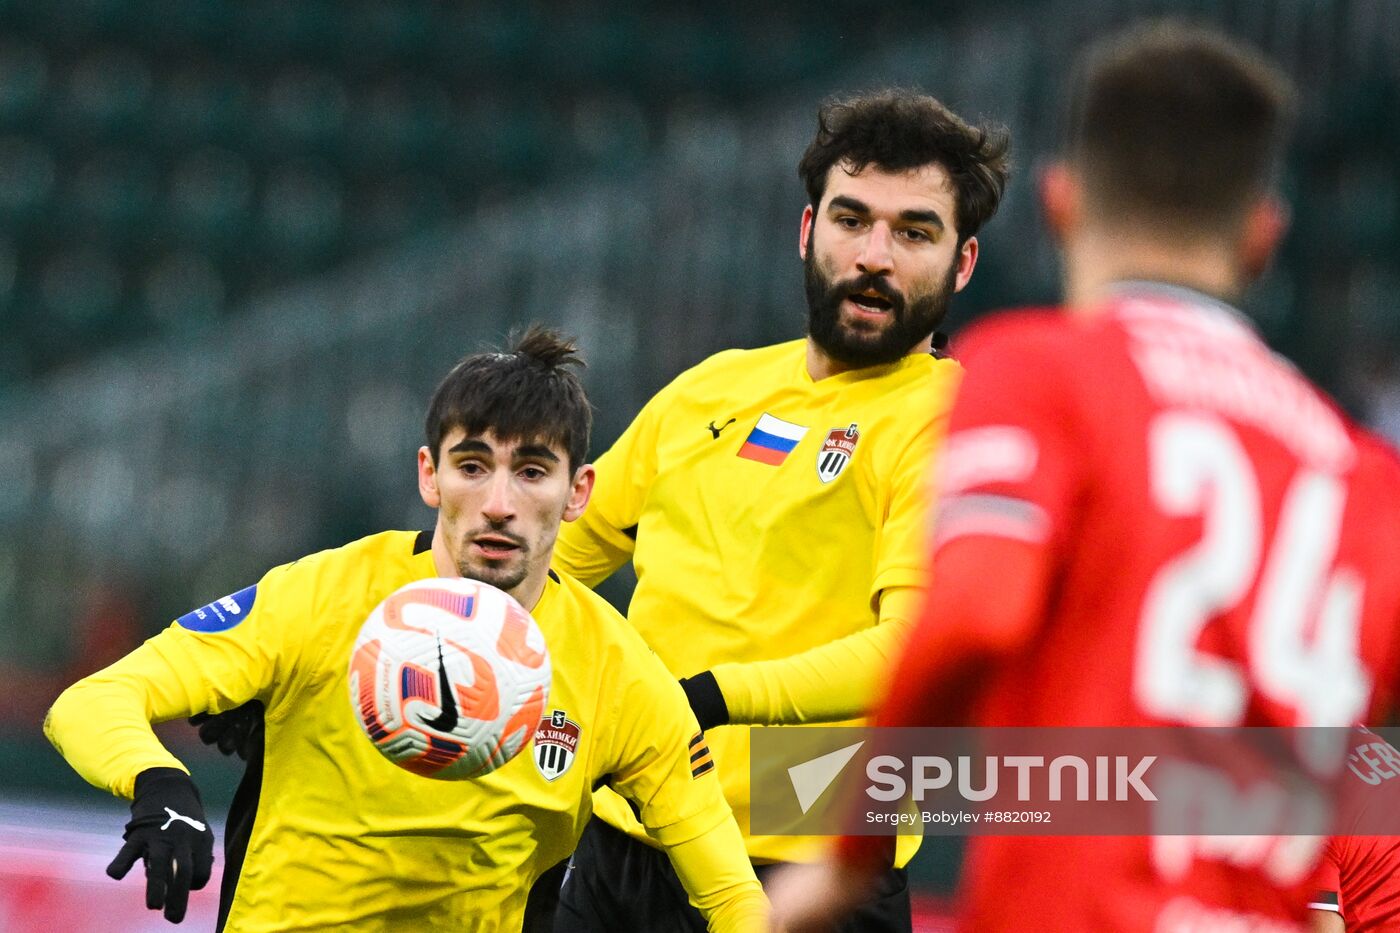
(836, 452)
(556, 744)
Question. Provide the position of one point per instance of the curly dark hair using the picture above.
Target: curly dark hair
(897, 130)
(531, 393)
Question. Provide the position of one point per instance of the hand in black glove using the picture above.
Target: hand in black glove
(169, 832)
(706, 700)
(240, 730)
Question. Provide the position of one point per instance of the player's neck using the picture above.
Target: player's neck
(529, 592)
(1094, 263)
(821, 366)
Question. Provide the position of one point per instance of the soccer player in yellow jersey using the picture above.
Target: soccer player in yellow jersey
(331, 836)
(773, 501)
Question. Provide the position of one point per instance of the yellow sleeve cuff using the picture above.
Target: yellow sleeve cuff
(715, 871)
(843, 679)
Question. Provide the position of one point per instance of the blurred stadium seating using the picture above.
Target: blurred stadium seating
(240, 238)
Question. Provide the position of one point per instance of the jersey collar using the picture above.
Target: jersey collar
(551, 585)
(1182, 294)
(860, 373)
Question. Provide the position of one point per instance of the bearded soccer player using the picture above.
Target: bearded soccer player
(328, 833)
(773, 500)
(1147, 517)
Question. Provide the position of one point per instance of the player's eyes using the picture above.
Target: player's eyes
(533, 473)
(849, 222)
(471, 468)
(917, 235)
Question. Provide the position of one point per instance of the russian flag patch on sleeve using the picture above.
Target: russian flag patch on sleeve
(771, 440)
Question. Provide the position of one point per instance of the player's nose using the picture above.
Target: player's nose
(877, 251)
(499, 504)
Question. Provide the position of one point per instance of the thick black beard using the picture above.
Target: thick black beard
(912, 322)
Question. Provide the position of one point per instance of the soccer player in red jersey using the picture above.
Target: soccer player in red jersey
(1147, 518)
(1360, 888)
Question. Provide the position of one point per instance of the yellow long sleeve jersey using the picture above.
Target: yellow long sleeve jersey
(332, 816)
(777, 528)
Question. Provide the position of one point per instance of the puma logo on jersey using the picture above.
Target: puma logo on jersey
(715, 430)
(199, 827)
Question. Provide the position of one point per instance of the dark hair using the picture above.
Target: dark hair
(897, 130)
(532, 393)
(1177, 124)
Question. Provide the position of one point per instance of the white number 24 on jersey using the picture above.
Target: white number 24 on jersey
(1199, 467)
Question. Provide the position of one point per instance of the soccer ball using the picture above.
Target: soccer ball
(449, 678)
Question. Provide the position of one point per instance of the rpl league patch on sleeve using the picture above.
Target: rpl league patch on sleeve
(222, 614)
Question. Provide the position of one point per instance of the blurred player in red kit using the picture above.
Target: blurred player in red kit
(1147, 518)
(1360, 887)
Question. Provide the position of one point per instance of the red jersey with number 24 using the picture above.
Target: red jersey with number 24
(1223, 549)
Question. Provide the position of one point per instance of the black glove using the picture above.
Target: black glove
(240, 730)
(169, 832)
(706, 700)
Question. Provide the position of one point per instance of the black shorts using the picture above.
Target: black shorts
(544, 900)
(615, 884)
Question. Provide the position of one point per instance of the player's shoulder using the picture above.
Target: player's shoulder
(355, 567)
(1031, 329)
(362, 553)
(389, 544)
(305, 587)
(1377, 458)
(939, 373)
(727, 363)
(726, 374)
(899, 404)
(581, 606)
(583, 615)
(1039, 344)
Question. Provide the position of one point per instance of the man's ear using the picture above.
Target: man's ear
(1264, 227)
(579, 493)
(427, 479)
(1061, 199)
(804, 233)
(967, 261)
